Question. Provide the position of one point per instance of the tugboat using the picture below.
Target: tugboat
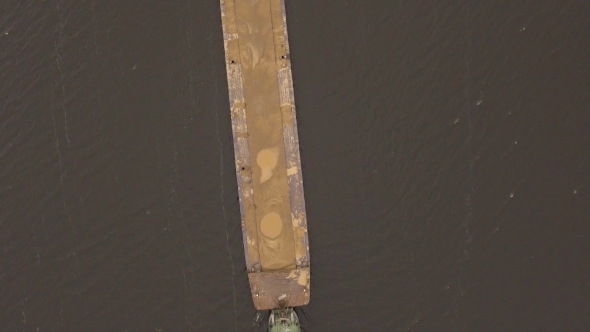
(283, 320)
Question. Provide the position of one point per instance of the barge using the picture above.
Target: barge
(266, 146)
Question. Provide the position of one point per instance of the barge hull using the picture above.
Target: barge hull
(266, 145)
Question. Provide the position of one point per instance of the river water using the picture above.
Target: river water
(445, 152)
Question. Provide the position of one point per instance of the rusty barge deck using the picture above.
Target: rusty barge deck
(266, 145)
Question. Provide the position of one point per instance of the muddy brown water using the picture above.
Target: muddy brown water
(444, 147)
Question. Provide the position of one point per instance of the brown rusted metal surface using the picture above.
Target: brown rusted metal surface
(266, 145)
(268, 287)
